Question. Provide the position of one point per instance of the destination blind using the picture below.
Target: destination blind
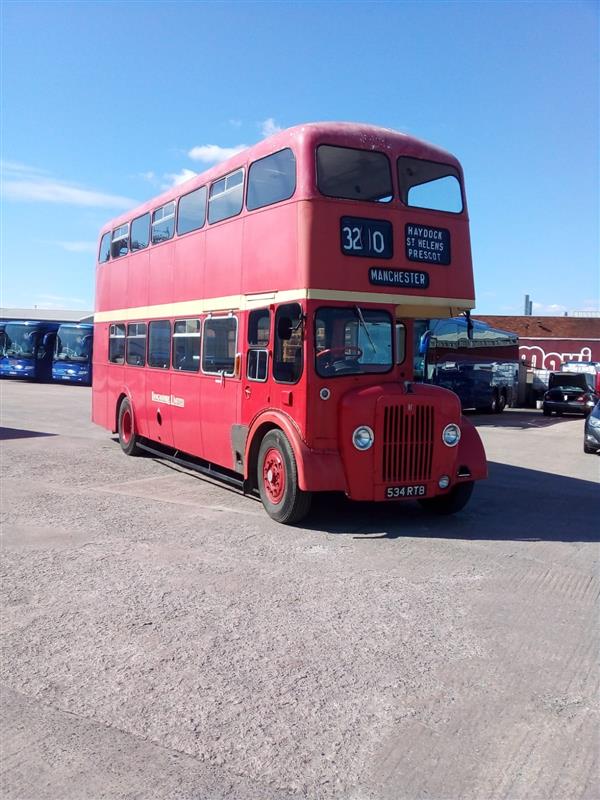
(427, 244)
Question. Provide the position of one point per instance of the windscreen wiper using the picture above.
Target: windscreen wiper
(363, 323)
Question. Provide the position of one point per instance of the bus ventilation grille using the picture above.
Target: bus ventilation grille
(407, 444)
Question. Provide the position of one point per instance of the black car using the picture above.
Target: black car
(570, 393)
(591, 432)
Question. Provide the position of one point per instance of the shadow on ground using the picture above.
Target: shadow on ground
(513, 504)
(18, 433)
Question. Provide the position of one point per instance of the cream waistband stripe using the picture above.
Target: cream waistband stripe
(243, 302)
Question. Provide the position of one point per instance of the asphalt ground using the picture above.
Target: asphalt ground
(163, 638)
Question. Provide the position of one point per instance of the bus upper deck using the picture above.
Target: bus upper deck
(319, 209)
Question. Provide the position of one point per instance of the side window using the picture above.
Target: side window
(226, 197)
(259, 329)
(163, 223)
(191, 214)
(287, 360)
(140, 232)
(136, 344)
(159, 343)
(116, 344)
(218, 348)
(271, 179)
(104, 248)
(186, 345)
(120, 241)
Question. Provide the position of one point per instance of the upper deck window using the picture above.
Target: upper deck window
(427, 184)
(104, 248)
(354, 174)
(120, 241)
(192, 211)
(140, 232)
(271, 180)
(163, 223)
(226, 197)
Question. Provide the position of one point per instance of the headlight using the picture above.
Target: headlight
(451, 435)
(594, 422)
(363, 437)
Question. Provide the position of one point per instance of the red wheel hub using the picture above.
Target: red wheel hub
(126, 426)
(274, 475)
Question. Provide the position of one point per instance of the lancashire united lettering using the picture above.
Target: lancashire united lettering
(168, 400)
(427, 244)
(398, 277)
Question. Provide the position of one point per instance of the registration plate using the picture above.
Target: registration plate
(396, 492)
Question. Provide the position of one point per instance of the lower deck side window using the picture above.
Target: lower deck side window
(159, 344)
(116, 344)
(220, 339)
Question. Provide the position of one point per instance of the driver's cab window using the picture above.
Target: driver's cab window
(287, 360)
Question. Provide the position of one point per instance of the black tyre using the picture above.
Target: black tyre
(456, 499)
(128, 438)
(501, 404)
(493, 406)
(589, 450)
(277, 478)
(546, 411)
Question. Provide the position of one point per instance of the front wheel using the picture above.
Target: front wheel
(277, 477)
(128, 438)
(456, 499)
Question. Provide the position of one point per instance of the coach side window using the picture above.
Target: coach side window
(226, 197)
(287, 360)
(191, 214)
(271, 180)
(219, 343)
(163, 223)
(120, 241)
(159, 343)
(116, 344)
(104, 248)
(259, 329)
(186, 345)
(140, 232)
(136, 344)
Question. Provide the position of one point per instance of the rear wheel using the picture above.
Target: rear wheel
(546, 411)
(128, 438)
(501, 404)
(277, 477)
(456, 499)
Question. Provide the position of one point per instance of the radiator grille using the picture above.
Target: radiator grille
(407, 443)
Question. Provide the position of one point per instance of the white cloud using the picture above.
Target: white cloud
(552, 308)
(214, 153)
(235, 123)
(77, 247)
(23, 183)
(58, 301)
(148, 176)
(175, 179)
(268, 127)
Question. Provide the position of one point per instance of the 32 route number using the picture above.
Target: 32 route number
(366, 237)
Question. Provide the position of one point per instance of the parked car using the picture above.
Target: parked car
(570, 393)
(591, 432)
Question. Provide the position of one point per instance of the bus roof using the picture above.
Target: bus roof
(344, 134)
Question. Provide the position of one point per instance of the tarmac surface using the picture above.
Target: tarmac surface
(163, 638)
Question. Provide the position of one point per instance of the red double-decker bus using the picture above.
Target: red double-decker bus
(257, 321)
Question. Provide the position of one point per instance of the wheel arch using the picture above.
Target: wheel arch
(257, 433)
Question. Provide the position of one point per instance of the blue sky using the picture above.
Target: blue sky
(104, 104)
